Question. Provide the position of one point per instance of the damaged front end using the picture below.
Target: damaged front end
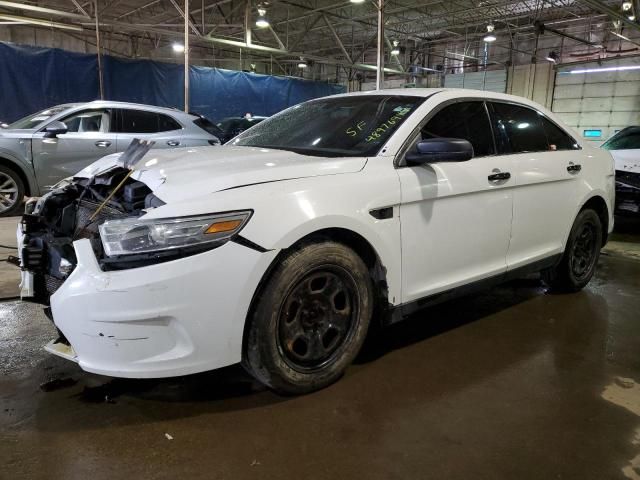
(72, 211)
(627, 193)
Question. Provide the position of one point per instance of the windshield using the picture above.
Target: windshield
(32, 121)
(340, 126)
(626, 139)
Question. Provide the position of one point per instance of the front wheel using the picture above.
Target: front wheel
(310, 319)
(11, 192)
(580, 257)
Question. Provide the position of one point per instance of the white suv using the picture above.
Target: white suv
(276, 249)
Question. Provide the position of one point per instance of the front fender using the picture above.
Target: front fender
(22, 165)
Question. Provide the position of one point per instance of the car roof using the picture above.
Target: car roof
(141, 106)
(461, 92)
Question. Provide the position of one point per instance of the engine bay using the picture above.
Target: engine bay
(73, 211)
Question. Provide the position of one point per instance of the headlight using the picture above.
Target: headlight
(139, 236)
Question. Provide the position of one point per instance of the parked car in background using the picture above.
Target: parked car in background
(234, 126)
(39, 150)
(277, 254)
(625, 149)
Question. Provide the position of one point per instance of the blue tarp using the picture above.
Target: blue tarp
(34, 78)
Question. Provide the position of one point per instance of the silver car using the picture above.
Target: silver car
(38, 151)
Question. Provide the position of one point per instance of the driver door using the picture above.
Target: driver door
(88, 139)
(455, 220)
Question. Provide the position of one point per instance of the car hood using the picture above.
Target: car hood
(16, 132)
(179, 174)
(627, 160)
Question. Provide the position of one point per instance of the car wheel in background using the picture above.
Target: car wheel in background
(310, 319)
(11, 192)
(580, 257)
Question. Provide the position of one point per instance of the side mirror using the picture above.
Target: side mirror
(54, 129)
(440, 150)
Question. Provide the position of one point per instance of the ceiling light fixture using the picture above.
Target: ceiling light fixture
(396, 49)
(626, 6)
(490, 37)
(303, 63)
(178, 47)
(632, 18)
(357, 1)
(606, 69)
(262, 21)
(552, 57)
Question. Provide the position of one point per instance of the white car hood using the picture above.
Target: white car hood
(627, 160)
(178, 174)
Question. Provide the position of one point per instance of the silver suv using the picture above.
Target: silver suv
(38, 151)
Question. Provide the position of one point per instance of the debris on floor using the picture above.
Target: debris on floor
(169, 437)
(57, 384)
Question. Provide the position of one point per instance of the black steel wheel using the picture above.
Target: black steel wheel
(580, 257)
(310, 318)
(317, 317)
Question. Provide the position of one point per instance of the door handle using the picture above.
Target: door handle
(173, 143)
(496, 177)
(103, 143)
(574, 168)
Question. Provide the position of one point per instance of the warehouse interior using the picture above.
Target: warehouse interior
(516, 381)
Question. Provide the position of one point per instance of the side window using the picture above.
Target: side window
(87, 121)
(518, 129)
(627, 139)
(467, 120)
(140, 121)
(558, 139)
(166, 123)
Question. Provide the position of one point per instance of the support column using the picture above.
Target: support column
(186, 56)
(380, 65)
(98, 48)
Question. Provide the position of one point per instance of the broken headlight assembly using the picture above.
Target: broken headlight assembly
(169, 236)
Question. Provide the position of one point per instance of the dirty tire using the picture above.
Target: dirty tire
(11, 192)
(310, 319)
(580, 257)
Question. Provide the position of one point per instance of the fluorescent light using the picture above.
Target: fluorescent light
(396, 49)
(490, 38)
(302, 65)
(357, 1)
(262, 22)
(632, 18)
(178, 47)
(607, 69)
(626, 6)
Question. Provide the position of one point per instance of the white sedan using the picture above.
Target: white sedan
(277, 249)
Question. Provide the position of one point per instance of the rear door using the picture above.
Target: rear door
(547, 168)
(89, 138)
(455, 216)
(147, 125)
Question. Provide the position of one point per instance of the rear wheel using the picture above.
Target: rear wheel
(11, 192)
(310, 319)
(580, 257)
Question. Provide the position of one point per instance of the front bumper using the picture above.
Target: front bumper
(175, 318)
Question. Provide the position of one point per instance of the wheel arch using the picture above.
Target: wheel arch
(360, 245)
(29, 183)
(598, 204)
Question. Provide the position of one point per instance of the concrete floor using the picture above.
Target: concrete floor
(514, 383)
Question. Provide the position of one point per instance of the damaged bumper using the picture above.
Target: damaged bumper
(174, 318)
(627, 193)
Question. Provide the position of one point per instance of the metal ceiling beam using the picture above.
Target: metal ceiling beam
(185, 17)
(337, 38)
(601, 7)
(40, 22)
(80, 8)
(47, 11)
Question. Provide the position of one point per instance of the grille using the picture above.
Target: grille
(52, 284)
(86, 228)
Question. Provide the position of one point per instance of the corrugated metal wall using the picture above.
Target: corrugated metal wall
(605, 101)
(492, 80)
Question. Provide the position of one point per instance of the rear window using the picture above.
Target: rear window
(208, 126)
(140, 121)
